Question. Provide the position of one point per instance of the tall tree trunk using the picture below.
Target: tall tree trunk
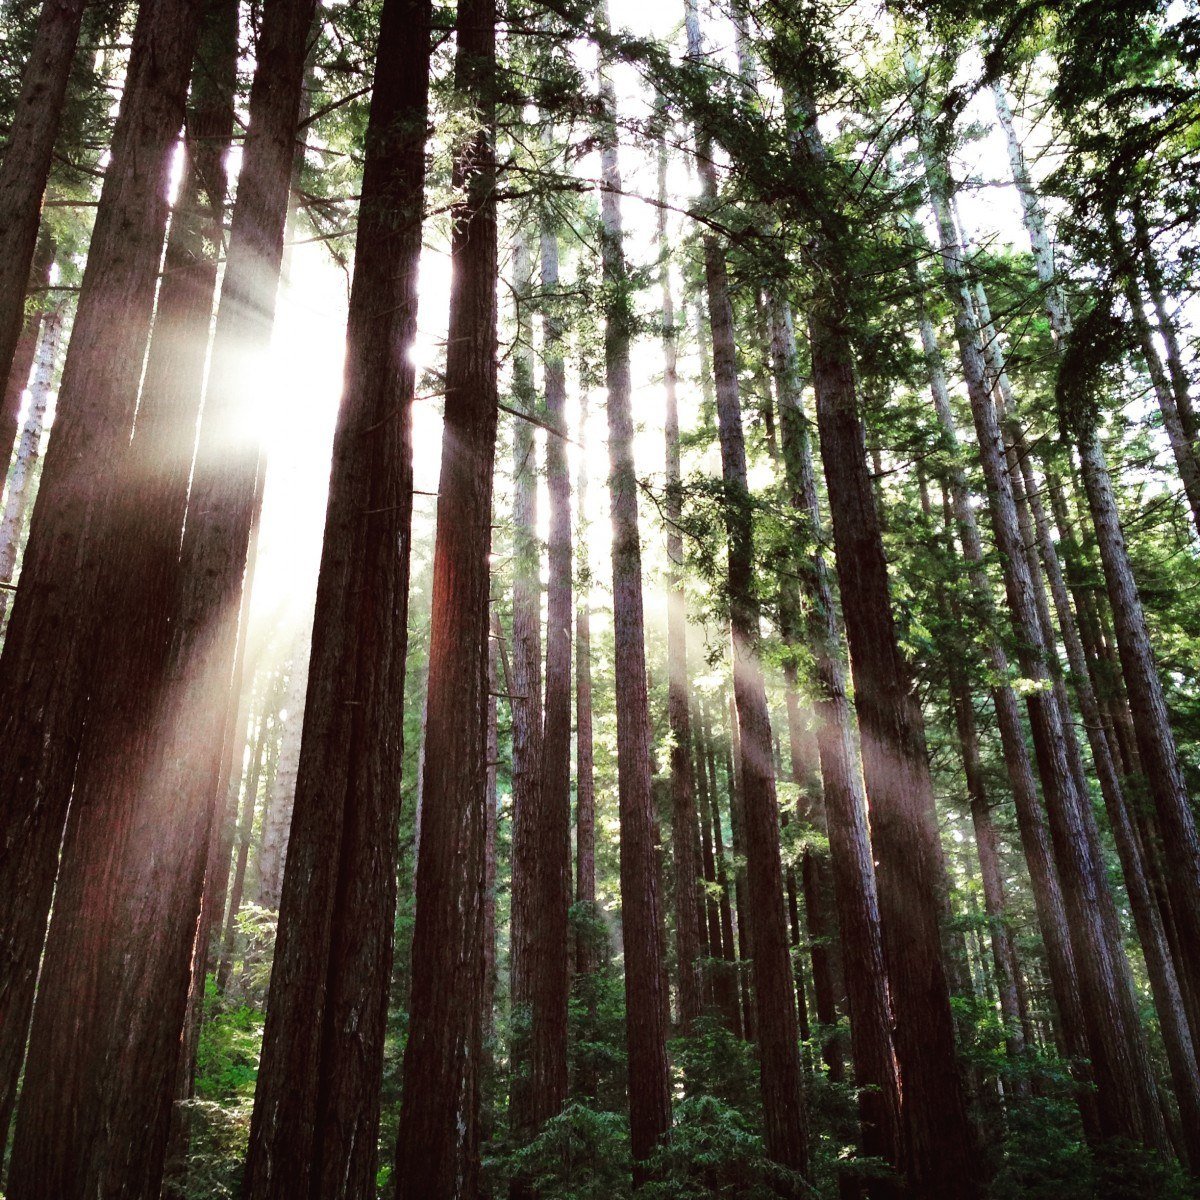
(854, 885)
(585, 780)
(646, 1006)
(32, 131)
(737, 893)
(1031, 823)
(437, 1151)
(20, 485)
(784, 1112)
(938, 1138)
(526, 656)
(1177, 1037)
(316, 1118)
(24, 353)
(686, 845)
(490, 979)
(728, 998)
(1117, 1044)
(44, 665)
(552, 988)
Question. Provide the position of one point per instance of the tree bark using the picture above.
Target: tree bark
(854, 885)
(553, 952)
(317, 1103)
(20, 484)
(32, 130)
(785, 1117)
(685, 840)
(437, 1151)
(646, 1006)
(45, 661)
(938, 1139)
(1117, 1048)
(585, 781)
(24, 354)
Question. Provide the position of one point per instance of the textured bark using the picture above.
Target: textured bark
(490, 979)
(1116, 1042)
(785, 1116)
(710, 911)
(1150, 718)
(1167, 328)
(854, 886)
(937, 1136)
(437, 1150)
(1156, 742)
(646, 1007)
(316, 1118)
(1178, 1039)
(553, 979)
(1031, 822)
(585, 781)
(32, 130)
(24, 354)
(45, 662)
(686, 845)
(526, 657)
(28, 451)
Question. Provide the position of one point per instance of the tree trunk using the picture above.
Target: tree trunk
(437, 1151)
(1035, 839)
(646, 1007)
(938, 1138)
(728, 998)
(1117, 1046)
(686, 846)
(526, 658)
(854, 885)
(44, 665)
(785, 1117)
(24, 355)
(490, 978)
(585, 782)
(553, 984)
(20, 484)
(317, 1103)
(32, 130)
(737, 894)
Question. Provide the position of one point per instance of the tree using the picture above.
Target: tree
(645, 978)
(316, 1125)
(26, 166)
(437, 1150)
(43, 668)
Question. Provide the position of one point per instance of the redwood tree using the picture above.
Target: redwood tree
(438, 1145)
(316, 1115)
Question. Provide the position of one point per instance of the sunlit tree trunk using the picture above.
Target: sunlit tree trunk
(29, 448)
(1125, 1091)
(585, 782)
(1031, 823)
(32, 128)
(686, 845)
(437, 1151)
(646, 1004)
(553, 965)
(24, 354)
(316, 1120)
(854, 885)
(44, 666)
(938, 1138)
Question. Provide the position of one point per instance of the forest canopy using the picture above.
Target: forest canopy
(599, 599)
